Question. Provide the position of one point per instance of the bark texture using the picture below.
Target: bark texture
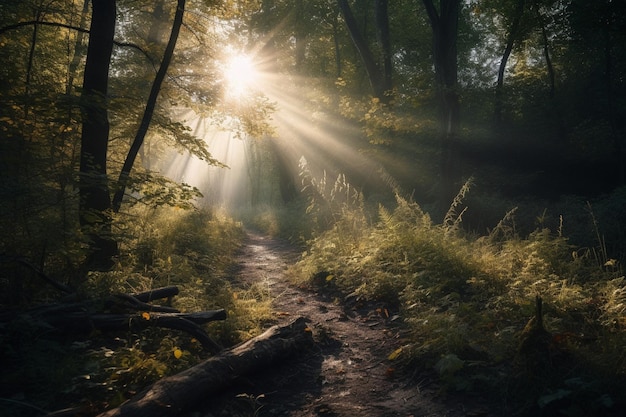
(169, 396)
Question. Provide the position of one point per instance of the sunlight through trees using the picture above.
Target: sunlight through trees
(139, 140)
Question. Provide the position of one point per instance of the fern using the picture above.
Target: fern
(453, 217)
(385, 217)
(505, 227)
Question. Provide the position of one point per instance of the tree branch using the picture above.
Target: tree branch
(76, 28)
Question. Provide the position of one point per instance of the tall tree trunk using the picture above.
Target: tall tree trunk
(150, 105)
(562, 131)
(286, 180)
(95, 201)
(444, 25)
(384, 39)
(618, 138)
(300, 35)
(376, 77)
(338, 68)
(511, 38)
(78, 49)
(31, 58)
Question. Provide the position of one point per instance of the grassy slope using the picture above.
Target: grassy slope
(467, 299)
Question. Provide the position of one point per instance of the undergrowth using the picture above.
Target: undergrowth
(192, 249)
(466, 300)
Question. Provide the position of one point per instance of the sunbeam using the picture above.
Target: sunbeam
(299, 127)
(224, 187)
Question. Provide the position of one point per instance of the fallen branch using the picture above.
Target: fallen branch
(132, 302)
(85, 322)
(120, 312)
(25, 262)
(169, 396)
(156, 294)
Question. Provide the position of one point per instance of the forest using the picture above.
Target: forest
(456, 167)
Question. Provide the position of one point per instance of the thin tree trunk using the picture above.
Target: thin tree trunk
(338, 67)
(95, 200)
(562, 133)
(513, 34)
(149, 111)
(31, 59)
(78, 49)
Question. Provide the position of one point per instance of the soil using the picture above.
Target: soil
(348, 373)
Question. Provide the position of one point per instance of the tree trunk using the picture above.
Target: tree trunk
(512, 37)
(286, 178)
(171, 395)
(150, 105)
(95, 201)
(338, 68)
(376, 77)
(616, 134)
(384, 39)
(444, 25)
(300, 35)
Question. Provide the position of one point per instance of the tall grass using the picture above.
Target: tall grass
(467, 298)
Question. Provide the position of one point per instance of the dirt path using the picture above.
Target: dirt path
(348, 373)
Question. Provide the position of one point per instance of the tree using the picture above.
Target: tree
(380, 79)
(95, 200)
(597, 91)
(512, 37)
(149, 110)
(444, 24)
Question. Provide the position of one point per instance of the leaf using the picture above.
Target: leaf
(394, 355)
(449, 364)
(145, 315)
(178, 353)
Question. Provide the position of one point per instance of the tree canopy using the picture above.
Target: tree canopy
(83, 127)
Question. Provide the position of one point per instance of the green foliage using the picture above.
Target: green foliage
(466, 298)
(193, 249)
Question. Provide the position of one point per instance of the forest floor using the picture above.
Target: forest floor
(348, 372)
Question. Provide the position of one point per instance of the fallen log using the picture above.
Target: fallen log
(171, 395)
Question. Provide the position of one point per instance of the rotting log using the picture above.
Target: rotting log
(171, 395)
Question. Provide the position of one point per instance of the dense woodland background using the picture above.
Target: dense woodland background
(452, 159)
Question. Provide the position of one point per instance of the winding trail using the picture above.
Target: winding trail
(347, 374)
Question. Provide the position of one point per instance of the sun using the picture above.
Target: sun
(240, 76)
